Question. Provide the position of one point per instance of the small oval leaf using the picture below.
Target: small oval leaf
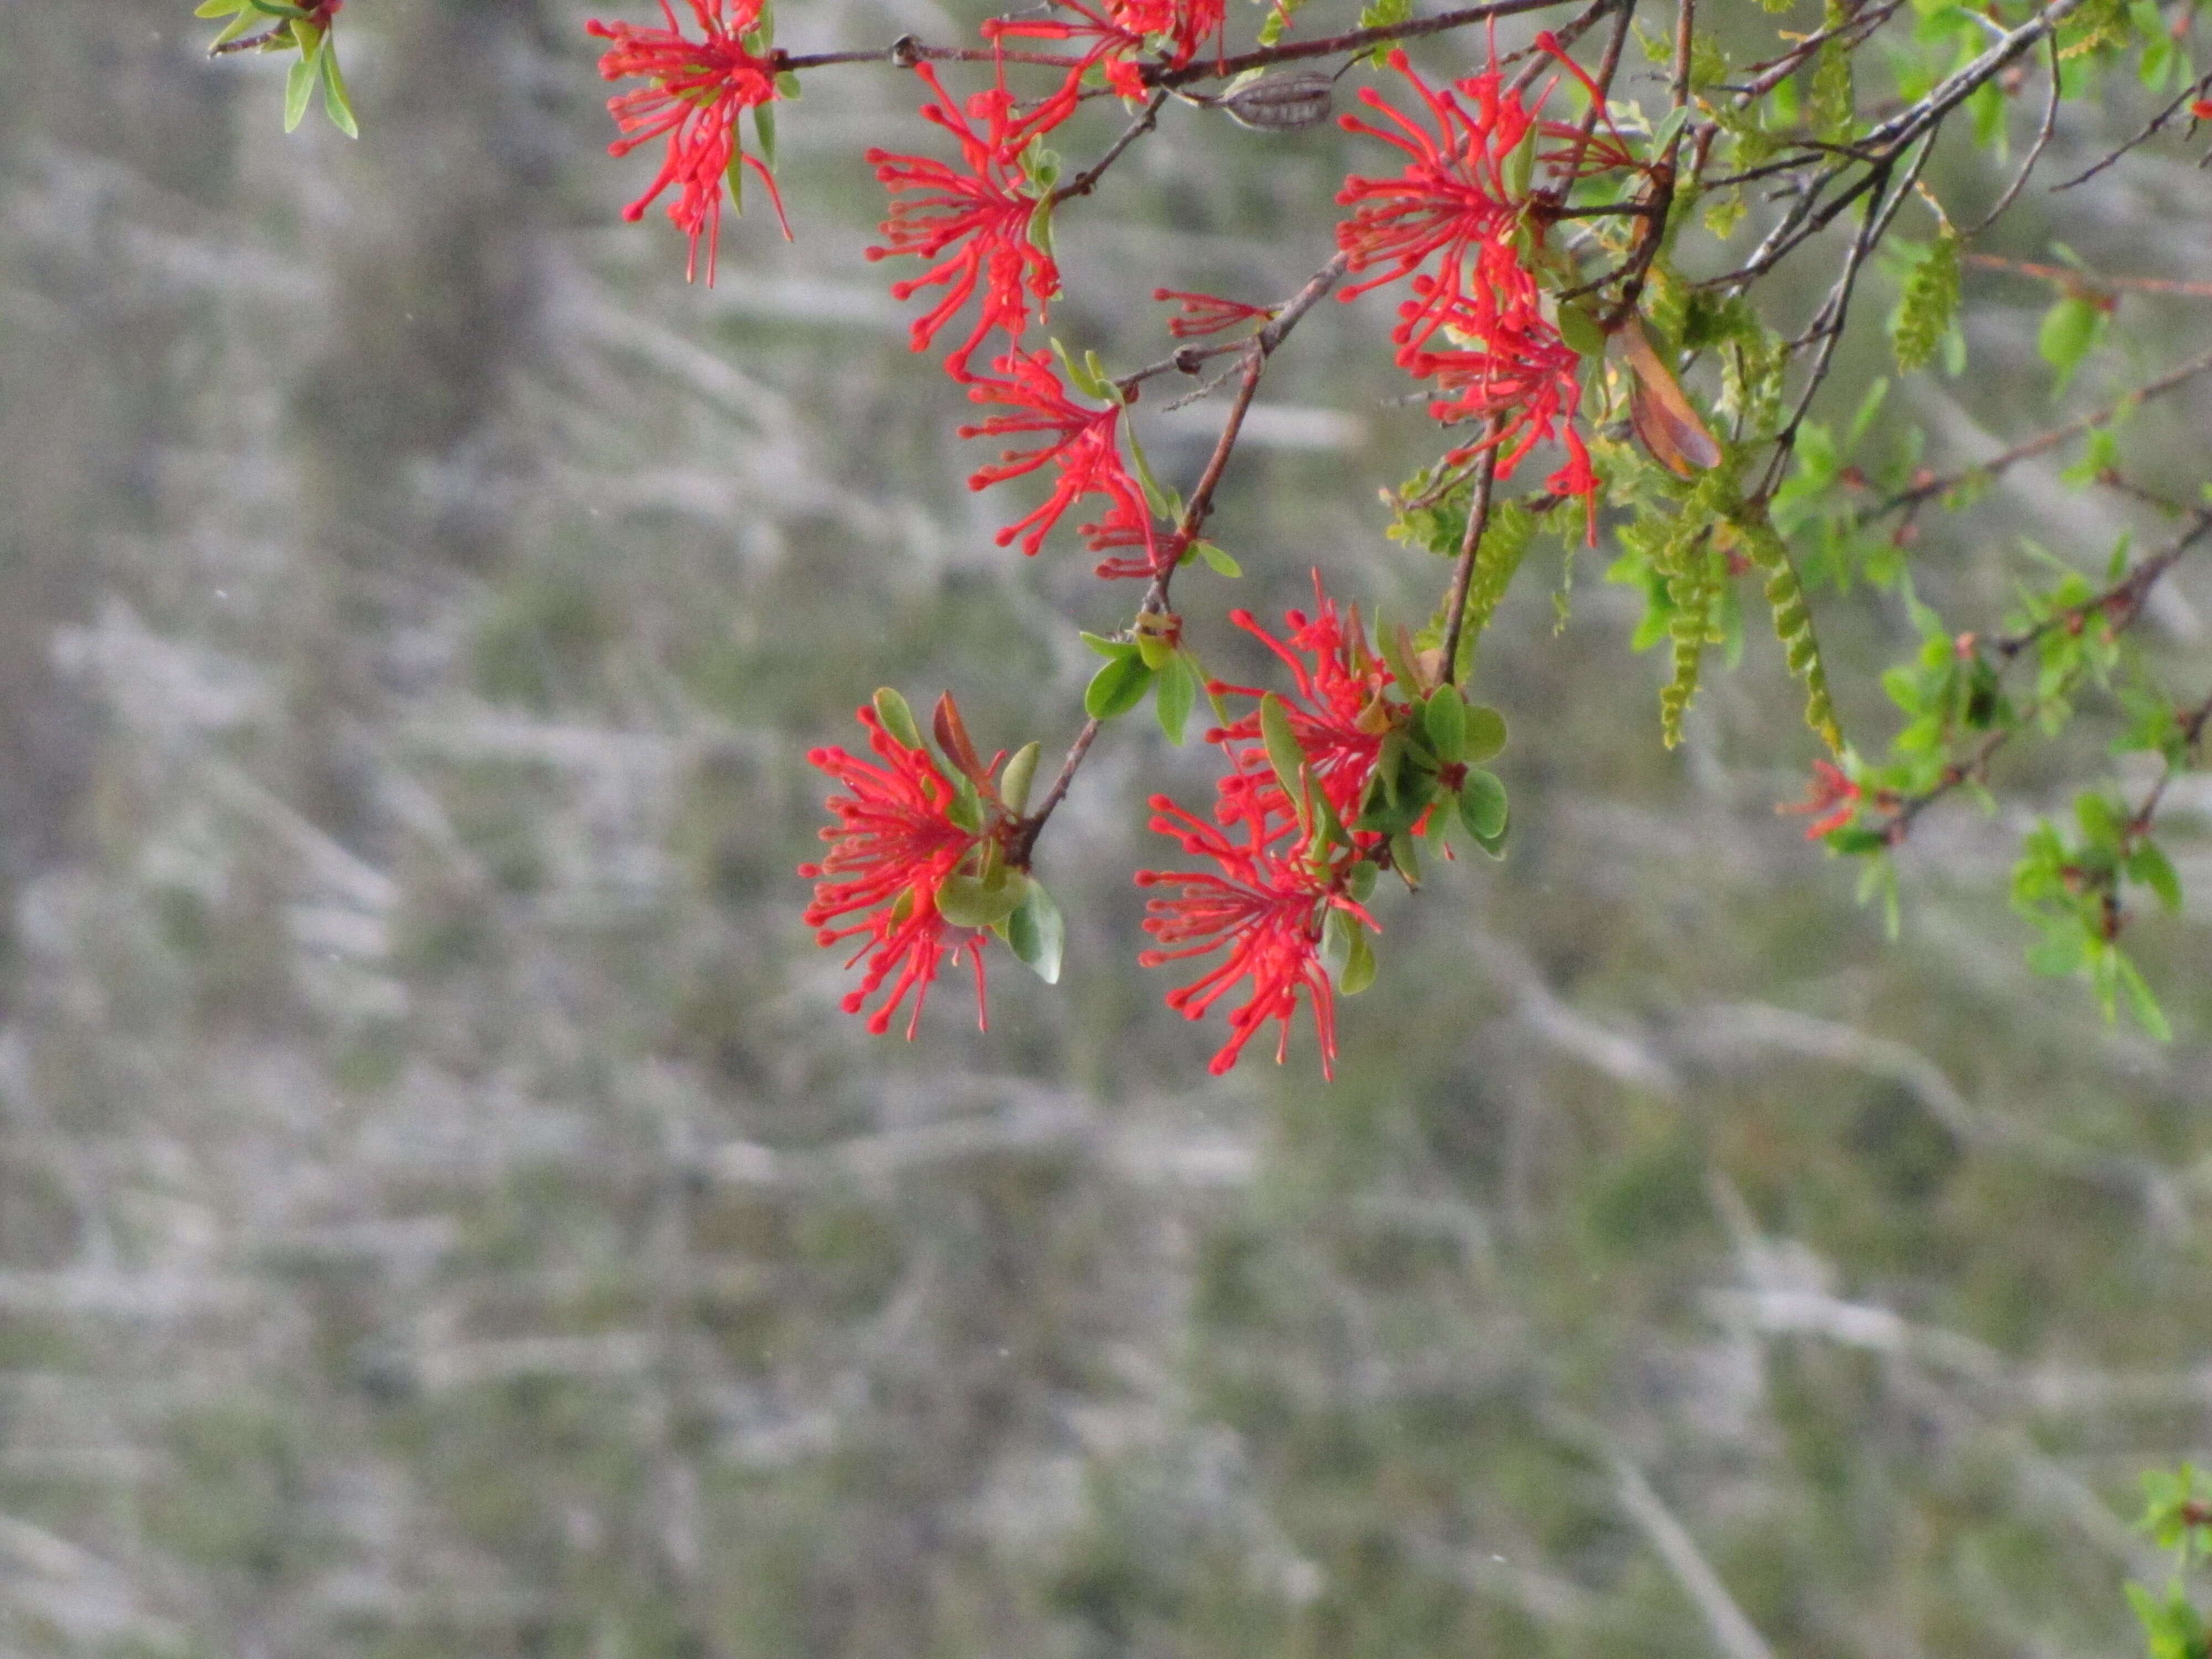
(1117, 687)
(1483, 806)
(898, 719)
(1036, 933)
(1014, 782)
(1485, 734)
(975, 901)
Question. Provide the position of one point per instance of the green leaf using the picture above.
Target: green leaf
(1855, 840)
(1578, 325)
(1793, 625)
(1117, 687)
(1505, 540)
(2059, 952)
(1080, 374)
(966, 807)
(1219, 562)
(2141, 1002)
(764, 128)
(1485, 734)
(898, 719)
(1443, 723)
(1174, 693)
(1115, 649)
(219, 7)
(1483, 807)
(1283, 752)
(979, 901)
(1864, 417)
(336, 105)
(1382, 15)
(1405, 859)
(2149, 865)
(2100, 820)
(1014, 782)
(298, 84)
(1358, 970)
(246, 18)
(2069, 333)
(1036, 933)
(1833, 104)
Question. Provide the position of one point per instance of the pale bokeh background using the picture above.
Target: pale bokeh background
(443, 1212)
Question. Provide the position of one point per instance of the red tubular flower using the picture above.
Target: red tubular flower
(1083, 444)
(975, 222)
(1514, 368)
(1128, 524)
(1207, 313)
(1477, 322)
(893, 845)
(698, 87)
(1453, 196)
(1832, 794)
(1338, 714)
(1267, 908)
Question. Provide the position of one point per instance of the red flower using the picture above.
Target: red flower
(1832, 795)
(1083, 444)
(1477, 322)
(977, 220)
(893, 845)
(1338, 714)
(1452, 197)
(698, 87)
(1267, 908)
(1128, 523)
(1514, 368)
(1205, 314)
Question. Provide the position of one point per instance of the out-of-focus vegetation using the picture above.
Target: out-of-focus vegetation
(443, 1213)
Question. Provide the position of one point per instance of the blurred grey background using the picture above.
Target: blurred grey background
(443, 1212)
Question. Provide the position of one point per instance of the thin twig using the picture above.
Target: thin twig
(1023, 846)
(1828, 324)
(1478, 520)
(2192, 733)
(1998, 465)
(2035, 152)
(1351, 41)
(1257, 349)
(2122, 603)
(2189, 94)
(2071, 279)
(1086, 181)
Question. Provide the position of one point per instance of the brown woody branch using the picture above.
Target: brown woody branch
(1257, 349)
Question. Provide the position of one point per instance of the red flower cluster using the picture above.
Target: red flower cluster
(697, 89)
(979, 222)
(1267, 908)
(894, 844)
(1082, 445)
(1271, 902)
(1476, 322)
(1338, 714)
(1208, 313)
(974, 220)
(1832, 795)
